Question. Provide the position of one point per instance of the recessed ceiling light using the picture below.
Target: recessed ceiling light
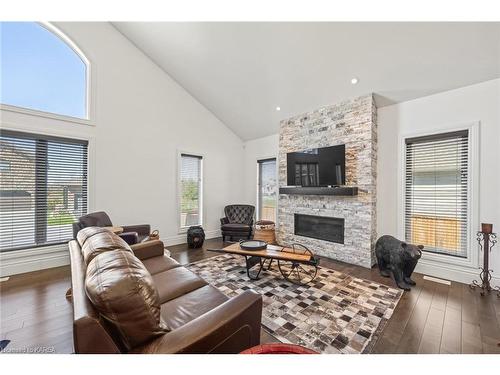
(278, 108)
(354, 81)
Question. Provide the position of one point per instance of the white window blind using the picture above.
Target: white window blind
(43, 189)
(437, 192)
(190, 190)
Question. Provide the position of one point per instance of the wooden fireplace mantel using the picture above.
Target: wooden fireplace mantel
(299, 190)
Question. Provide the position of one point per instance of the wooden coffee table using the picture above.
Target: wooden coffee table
(297, 264)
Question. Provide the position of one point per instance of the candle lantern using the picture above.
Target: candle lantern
(486, 239)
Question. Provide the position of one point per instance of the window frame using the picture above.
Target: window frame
(443, 260)
(44, 247)
(258, 200)
(89, 85)
(183, 229)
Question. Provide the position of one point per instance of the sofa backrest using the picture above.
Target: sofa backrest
(94, 241)
(239, 213)
(115, 298)
(91, 334)
(124, 292)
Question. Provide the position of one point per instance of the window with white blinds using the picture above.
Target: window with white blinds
(437, 192)
(43, 189)
(267, 189)
(190, 190)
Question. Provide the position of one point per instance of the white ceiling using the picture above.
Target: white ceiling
(243, 71)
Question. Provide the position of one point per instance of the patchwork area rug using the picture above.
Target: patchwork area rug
(336, 313)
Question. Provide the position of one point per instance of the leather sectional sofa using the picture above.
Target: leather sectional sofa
(135, 299)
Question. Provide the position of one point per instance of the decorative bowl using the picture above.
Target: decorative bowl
(253, 245)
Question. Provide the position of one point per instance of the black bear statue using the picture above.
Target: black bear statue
(195, 237)
(397, 258)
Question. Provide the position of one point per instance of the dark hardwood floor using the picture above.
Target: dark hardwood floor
(432, 318)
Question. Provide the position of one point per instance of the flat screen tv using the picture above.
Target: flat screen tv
(316, 167)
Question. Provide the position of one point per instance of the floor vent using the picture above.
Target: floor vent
(436, 280)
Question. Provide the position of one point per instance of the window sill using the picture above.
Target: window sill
(53, 116)
(446, 260)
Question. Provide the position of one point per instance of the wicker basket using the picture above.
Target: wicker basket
(265, 231)
(155, 235)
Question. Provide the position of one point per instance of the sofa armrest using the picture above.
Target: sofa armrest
(224, 220)
(142, 229)
(229, 328)
(148, 249)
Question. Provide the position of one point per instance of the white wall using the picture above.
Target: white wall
(142, 118)
(257, 149)
(476, 103)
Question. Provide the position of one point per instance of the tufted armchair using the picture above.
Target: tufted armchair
(238, 221)
(132, 234)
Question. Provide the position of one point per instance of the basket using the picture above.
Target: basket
(265, 231)
(155, 235)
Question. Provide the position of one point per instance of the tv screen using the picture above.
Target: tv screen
(316, 167)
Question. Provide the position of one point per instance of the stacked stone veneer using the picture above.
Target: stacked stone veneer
(353, 123)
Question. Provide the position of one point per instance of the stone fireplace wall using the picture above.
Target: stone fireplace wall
(353, 123)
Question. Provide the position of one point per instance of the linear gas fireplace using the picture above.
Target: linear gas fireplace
(320, 227)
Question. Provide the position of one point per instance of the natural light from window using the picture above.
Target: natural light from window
(43, 189)
(267, 190)
(190, 190)
(40, 71)
(436, 193)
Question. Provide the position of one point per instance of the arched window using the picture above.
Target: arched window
(42, 70)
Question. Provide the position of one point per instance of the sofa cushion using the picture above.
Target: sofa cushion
(95, 219)
(100, 242)
(123, 291)
(235, 227)
(159, 264)
(85, 233)
(176, 282)
(179, 311)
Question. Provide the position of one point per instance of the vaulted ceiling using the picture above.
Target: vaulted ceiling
(243, 71)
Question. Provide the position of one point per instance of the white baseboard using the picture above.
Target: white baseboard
(454, 273)
(29, 260)
(21, 261)
(182, 238)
